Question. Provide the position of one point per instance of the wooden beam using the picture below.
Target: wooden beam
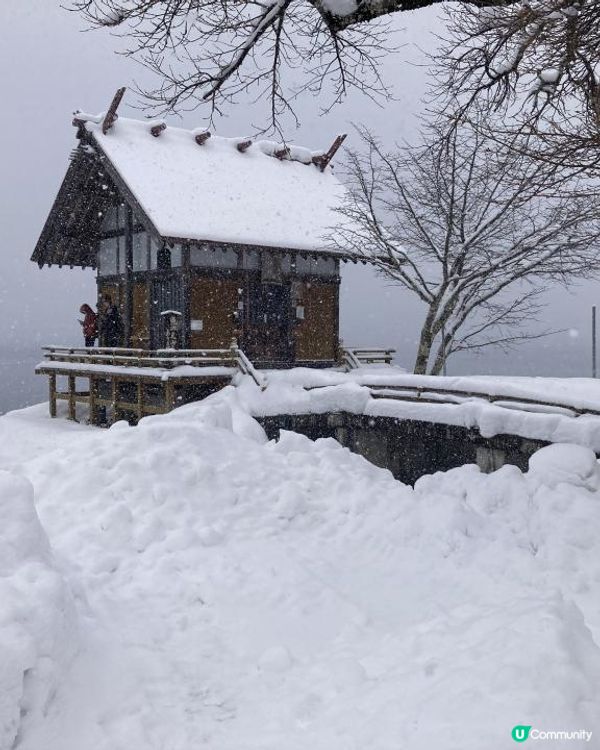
(201, 138)
(323, 160)
(111, 115)
(243, 146)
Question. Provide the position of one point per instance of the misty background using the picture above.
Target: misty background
(50, 66)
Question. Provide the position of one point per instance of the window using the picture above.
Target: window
(153, 253)
(140, 251)
(122, 253)
(107, 257)
(176, 254)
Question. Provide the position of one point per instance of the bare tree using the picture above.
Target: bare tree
(474, 231)
(536, 62)
(214, 50)
(537, 55)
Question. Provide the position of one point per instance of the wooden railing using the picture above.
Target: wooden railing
(434, 395)
(246, 367)
(354, 358)
(159, 358)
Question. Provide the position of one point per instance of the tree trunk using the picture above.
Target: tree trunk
(439, 360)
(425, 343)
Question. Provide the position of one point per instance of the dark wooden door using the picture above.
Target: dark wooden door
(166, 294)
(267, 336)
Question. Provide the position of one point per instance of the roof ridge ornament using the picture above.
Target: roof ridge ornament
(157, 127)
(201, 136)
(323, 160)
(111, 115)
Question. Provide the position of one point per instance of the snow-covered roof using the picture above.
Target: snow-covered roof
(216, 192)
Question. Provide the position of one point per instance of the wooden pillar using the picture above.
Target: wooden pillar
(169, 396)
(72, 404)
(140, 399)
(336, 325)
(93, 416)
(128, 278)
(186, 283)
(52, 394)
(114, 397)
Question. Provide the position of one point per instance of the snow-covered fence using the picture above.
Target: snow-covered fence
(125, 357)
(354, 358)
(434, 395)
(133, 383)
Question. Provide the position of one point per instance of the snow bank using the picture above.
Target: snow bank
(236, 592)
(36, 618)
(300, 390)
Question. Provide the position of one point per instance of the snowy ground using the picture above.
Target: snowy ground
(189, 584)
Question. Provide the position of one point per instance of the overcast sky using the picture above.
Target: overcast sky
(49, 67)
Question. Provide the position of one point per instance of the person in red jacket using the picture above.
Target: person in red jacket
(89, 324)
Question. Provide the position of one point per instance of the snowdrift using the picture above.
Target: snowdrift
(207, 587)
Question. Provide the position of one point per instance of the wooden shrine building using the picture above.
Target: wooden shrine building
(201, 239)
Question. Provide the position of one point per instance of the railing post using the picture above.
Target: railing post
(140, 399)
(114, 394)
(169, 396)
(72, 413)
(52, 394)
(92, 400)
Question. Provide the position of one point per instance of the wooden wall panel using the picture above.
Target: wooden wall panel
(140, 331)
(113, 290)
(213, 301)
(316, 336)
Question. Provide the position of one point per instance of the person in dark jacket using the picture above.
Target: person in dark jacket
(89, 324)
(111, 327)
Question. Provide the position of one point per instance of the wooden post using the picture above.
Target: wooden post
(323, 160)
(169, 395)
(93, 416)
(72, 414)
(111, 115)
(140, 399)
(52, 395)
(114, 395)
(186, 288)
(128, 280)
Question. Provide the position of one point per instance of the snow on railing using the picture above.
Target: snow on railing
(160, 358)
(246, 367)
(434, 395)
(354, 358)
(126, 357)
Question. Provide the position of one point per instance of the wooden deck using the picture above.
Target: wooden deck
(130, 384)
